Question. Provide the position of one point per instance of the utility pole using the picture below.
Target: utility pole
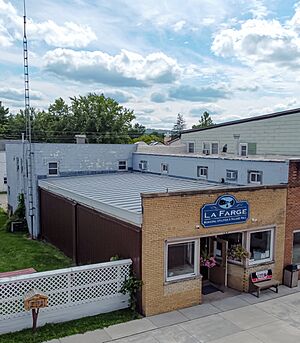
(28, 153)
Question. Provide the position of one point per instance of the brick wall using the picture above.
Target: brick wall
(170, 216)
(292, 208)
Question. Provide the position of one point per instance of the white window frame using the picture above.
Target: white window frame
(57, 168)
(164, 168)
(142, 165)
(188, 147)
(232, 171)
(269, 259)
(126, 165)
(241, 146)
(205, 150)
(255, 172)
(204, 177)
(211, 150)
(196, 260)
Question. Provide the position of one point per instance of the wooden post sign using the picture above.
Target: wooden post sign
(34, 300)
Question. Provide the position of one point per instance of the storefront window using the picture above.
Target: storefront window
(261, 246)
(181, 260)
(296, 248)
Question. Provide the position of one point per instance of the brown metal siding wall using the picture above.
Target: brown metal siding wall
(100, 237)
(57, 221)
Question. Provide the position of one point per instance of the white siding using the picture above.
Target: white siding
(277, 135)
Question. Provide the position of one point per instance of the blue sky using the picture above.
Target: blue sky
(234, 59)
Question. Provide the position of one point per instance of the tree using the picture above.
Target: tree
(205, 121)
(148, 139)
(179, 126)
(101, 119)
(4, 112)
(136, 130)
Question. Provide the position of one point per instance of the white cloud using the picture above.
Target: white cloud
(69, 34)
(179, 25)
(5, 38)
(260, 41)
(17, 94)
(119, 96)
(125, 69)
(258, 9)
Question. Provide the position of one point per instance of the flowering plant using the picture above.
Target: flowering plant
(237, 253)
(207, 261)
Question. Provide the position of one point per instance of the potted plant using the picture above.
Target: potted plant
(206, 260)
(237, 253)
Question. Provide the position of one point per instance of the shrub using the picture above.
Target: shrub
(19, 215)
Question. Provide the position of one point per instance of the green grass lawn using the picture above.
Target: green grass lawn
(51, 331)
(17, 251)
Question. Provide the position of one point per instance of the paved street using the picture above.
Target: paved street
(242, 318)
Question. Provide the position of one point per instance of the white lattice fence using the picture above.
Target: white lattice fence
(73, 293)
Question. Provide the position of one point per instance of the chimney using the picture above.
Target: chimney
(80, 139)
(237, 138)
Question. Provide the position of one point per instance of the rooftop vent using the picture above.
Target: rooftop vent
(80, 139)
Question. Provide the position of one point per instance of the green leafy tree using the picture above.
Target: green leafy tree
(136, 130)
(205, 121)
(148, 139)
(4, 113)
(179, 126)
(102, 119)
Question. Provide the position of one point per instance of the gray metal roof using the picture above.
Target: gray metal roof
(119, 194)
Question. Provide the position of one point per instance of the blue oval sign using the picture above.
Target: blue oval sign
(225, 211)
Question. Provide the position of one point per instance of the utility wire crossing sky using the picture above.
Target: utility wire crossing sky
(234, 59)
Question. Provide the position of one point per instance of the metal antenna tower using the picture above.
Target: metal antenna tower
(27, 113)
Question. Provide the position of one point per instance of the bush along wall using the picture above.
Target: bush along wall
(19, 215)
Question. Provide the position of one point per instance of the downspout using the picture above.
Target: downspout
(74, 226)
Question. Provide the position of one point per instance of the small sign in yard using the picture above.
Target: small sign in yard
(34, 300)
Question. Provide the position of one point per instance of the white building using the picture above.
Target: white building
(271, 134)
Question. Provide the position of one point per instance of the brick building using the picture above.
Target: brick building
(292, 236)
(166, 224)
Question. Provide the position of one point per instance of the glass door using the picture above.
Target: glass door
(218, 274)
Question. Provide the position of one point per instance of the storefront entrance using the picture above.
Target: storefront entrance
(214, 258)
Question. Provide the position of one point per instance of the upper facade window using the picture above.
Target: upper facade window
(143, 165)
(164, 168)
(191, 147)
(210, 148)
(243, 149)
(52, 168)
(122, 165)
(231, 175)
(206, 148)
(255, 176)
(214, 148)
(202, 172)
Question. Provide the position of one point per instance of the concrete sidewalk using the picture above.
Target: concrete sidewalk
(234, 319)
